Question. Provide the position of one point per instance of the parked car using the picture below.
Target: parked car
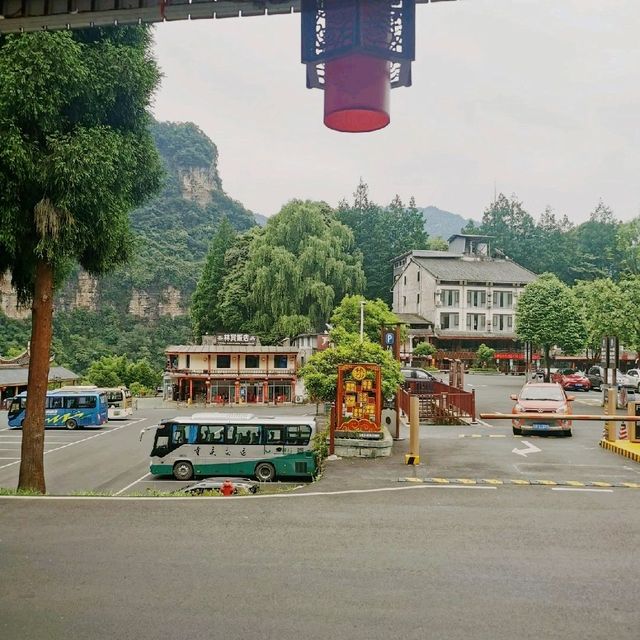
(596, 377)
(572, 380)
(215, 484)
(633, 375)
(415, 373)
(542, 397)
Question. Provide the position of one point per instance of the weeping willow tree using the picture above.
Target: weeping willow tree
(291, 275)
(75, 157)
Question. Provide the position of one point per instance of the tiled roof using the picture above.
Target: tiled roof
(413, 318)
(477, 270)
(17, 376)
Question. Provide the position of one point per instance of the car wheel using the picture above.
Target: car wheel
(517, 431)
(265, 472)
(71, 424)
(183, 470)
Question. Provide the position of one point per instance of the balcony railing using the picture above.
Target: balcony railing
(233, 372)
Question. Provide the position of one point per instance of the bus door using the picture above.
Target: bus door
(275, 439)
(297, 450)
(53, 407)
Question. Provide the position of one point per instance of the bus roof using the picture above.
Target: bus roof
(66, 391)
(240, 418)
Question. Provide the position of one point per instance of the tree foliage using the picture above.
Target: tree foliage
(424, 349)
(320, 374)
(484, 355)
(376, 314)
(76, 157)
(206, 301)
(548, 315)
(381, 234)
(114, 371)
(286, 278)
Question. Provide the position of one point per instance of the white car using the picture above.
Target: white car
(633, 378)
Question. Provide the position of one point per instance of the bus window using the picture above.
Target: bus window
(210, 434)
(54, 402)
(247, 435)
(86, 402)
(114, 395)
(71, 402)
(298, 434)
(275, 435)
(184, 433)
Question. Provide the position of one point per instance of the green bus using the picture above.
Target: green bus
(226, 444)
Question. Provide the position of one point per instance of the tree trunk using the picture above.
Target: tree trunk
(547, 364)
(32, 462)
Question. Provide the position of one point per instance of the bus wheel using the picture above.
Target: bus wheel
(183, 470)
(265, 472)
(71, 424)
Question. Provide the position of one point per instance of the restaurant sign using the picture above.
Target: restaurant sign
(236, 338)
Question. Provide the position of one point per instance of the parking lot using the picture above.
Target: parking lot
(114, 460)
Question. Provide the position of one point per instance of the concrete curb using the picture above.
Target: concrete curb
(623, 448)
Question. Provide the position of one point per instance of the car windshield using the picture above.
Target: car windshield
(541, 393)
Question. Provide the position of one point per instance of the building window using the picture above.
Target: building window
(404, 301)
(503, 299)
(476, 298)
(188, 361)
(502, 322)
(418, 276)
(404, 280)
(450, 297)
(251, 361)
(418, 298)
(475, 321)
(449, 320)
(280, 362)
(223, 362)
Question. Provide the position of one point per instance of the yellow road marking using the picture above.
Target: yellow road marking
(519, 482)
(546, 482)
(414, 479)
(574, 483)
(632, 485)
(440, 480)
(466, 481)
(601, 484)
(492, 481)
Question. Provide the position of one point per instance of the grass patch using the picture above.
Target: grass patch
(4, 491)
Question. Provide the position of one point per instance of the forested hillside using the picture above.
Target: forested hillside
(142, 307)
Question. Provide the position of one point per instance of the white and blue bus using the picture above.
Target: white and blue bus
(225, 444)
(65, 408)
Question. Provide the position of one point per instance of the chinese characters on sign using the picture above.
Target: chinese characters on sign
(359, 401)
(235, 338)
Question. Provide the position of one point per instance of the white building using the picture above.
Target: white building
(463, 294)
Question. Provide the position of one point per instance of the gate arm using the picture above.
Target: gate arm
(558, 416)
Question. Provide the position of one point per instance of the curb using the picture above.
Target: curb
(620, 450)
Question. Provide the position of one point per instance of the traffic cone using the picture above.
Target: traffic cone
(623, 432)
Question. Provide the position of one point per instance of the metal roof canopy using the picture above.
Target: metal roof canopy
(36, 15)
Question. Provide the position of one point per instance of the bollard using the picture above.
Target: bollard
(413, 457)
(610, 431)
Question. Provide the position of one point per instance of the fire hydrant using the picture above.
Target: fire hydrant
(227, 488)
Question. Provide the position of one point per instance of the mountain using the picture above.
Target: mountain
(260, 219)
(444, 224)
(142, 307)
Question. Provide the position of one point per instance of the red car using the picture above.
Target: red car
(544, 398)
(572, 380)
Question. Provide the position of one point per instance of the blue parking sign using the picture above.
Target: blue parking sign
(389, 338)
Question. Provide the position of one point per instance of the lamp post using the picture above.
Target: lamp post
(362, 302)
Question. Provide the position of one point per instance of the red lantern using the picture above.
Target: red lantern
(357, 50)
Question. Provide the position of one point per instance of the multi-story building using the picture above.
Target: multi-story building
(467, 296)
(231, 368)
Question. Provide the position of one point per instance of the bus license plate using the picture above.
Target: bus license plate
(541, 426)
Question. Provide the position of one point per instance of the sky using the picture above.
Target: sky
(538, 98)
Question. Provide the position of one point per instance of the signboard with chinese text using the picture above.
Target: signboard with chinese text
(358, 402)
(236, 338)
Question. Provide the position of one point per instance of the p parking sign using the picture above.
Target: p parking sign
(389, 338)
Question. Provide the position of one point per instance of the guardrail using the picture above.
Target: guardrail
(440, 402)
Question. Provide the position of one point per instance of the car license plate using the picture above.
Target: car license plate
(541, 426)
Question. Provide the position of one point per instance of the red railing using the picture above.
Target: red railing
(439, 401)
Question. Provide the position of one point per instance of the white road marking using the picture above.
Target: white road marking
(74, 442)
(531, 448)
(10, 458)
(582, 490)
(255, 497)
(131, 485)
(485, 424)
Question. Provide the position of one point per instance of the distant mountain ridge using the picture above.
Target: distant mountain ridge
(438, 222)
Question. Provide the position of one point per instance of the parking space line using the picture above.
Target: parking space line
(1, 458)
(74, 442)
(131, 485)
(585, 490)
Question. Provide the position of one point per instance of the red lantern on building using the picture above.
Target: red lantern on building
(357, 51)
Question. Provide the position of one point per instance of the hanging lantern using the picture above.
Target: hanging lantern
(357, 51)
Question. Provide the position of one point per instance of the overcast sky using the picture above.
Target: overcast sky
(539, 97)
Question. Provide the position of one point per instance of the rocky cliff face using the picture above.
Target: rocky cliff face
(9, 300)
(197, 184)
